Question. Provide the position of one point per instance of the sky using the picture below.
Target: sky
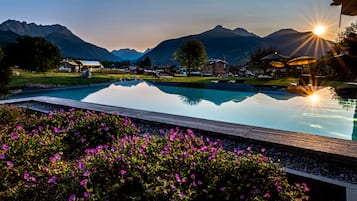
(142, 24)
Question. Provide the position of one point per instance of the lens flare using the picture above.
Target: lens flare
(319, 30)
(314, 98)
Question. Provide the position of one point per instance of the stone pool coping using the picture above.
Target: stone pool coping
(329, 149)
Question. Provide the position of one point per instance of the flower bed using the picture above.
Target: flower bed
(83, 155)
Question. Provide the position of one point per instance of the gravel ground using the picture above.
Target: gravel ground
(292, 159)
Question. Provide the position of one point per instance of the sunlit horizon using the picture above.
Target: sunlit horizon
(141, 24)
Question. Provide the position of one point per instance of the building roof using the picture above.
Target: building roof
(212, 61)
(90, 63)
(70, 62)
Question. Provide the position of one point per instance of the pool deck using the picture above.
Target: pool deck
(334, 150)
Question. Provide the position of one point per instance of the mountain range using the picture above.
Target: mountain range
(70, 45)
(129, 54)
(235, 46)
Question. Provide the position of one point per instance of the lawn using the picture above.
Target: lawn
(62, 78)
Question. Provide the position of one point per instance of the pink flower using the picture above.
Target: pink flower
(53, 160)
(177, 176)
(182, 195)
(193, 176)
(123, 172)
(14, 136)
(80, 165)
(306, 188)
(189, 132)
(119, 158)
(249, 148)
(72, 197)
(86, 194)
(267, 195)
(26, 176)
(263, 150)
(192, 147)
(5, 147)
(83, 140)
(9, 164)
(19, 127)
(56, 130)
(52, 180)
(40, 128)
(278, 187)
(2, 156)
(57, 156)
(213, 149)
(83, 182)
(86, 173)
(238, 151)
(141, 150)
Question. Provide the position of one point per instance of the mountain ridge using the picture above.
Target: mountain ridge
(234, 45)
(128, 54)
(236, 48)
(70, 45)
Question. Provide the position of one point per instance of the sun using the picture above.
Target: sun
(319, 30)
(314, 98)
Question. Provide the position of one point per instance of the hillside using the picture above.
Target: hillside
(237, 45)
(70, 45)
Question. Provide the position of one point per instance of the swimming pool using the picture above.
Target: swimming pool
(322, 114)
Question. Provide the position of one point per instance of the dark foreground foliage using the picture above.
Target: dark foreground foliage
(83, 155)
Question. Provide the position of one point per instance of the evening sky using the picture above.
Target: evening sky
(142, 24)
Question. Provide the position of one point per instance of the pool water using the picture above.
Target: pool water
(322, 114)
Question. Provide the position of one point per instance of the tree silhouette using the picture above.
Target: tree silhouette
(5, 73)
(343, 57)
(256, 56)
(33, 53)
(192, 53)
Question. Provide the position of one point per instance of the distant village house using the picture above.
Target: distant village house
(215, 67)
(71, 65)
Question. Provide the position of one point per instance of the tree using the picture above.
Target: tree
(147, 62)
(192, 53)
(33, 53)
(343, 57)
(256, 56)
(5, 74)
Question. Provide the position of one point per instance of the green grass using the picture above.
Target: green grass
(285, 81)
(61, 79)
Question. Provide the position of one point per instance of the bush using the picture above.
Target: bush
(5, 75)
(46, 158)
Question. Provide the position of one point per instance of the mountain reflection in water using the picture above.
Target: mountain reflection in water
(326, 116)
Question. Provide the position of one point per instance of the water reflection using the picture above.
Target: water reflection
(321, 115)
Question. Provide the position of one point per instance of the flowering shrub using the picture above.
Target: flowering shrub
(46, 158)
(87, 129)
